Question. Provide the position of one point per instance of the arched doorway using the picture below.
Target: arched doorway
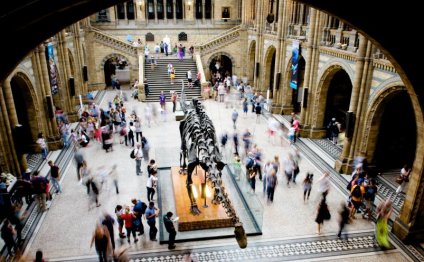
(26, 133)
(397, 130)
(222, 64)
(251, 65)
(109, 70)
(270, 69)
(338, 97)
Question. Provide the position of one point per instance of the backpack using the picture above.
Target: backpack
(357, 191)
(370, 193)
(132, 154)
(250, 163)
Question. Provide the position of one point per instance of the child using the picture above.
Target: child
(237, 166)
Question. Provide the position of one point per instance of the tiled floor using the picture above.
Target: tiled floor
(66, 229)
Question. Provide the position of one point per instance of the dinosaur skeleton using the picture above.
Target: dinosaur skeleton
(199, 147)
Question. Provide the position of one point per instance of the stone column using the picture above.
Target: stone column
(343, 163)
(165, 12)
(13, 122)
(6, 137)
(65, 72)
(259, 46)
(141, 93)
(52, 132)
(174, 10)
(308, 68)
(112, 15)
(155, 9)
(125, 12)
(203, 11)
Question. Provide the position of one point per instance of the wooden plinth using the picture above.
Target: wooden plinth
(213, 216)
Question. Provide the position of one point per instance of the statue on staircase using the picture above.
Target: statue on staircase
(167, 45)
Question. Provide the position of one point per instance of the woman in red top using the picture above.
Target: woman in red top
(128, 218)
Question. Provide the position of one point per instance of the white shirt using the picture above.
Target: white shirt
(189, 75)
(152, 181)
(138, 154)
(42, 142)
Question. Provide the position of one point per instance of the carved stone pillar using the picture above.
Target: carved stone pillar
(155, 6)
(165, 12)
(174, 10)
(343, 163)
(203, 12)
(125, 12)
(65, 71)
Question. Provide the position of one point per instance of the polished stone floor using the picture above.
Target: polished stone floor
(287, 225)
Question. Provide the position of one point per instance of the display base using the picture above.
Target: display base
(213, 216)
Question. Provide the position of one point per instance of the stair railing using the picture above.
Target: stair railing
(203, 83)
(224, 38)
(113, 42)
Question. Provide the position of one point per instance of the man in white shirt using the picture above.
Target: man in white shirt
(151, 185)
(138, 157)
(189, 79)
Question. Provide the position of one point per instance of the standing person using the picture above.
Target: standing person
(138, 130)
(162, 100)
(138, 157)
(169, 226)
(296, 125)
(94, 192)
(151, 185)
(41, 141)
(307, 186)
(237, 166)
(322, 214)
(128, 218)
(64, 131)
(174, 101)
(151, 214)
(118, 212)
(234, 117)
(189, 78)
(245, 104)
(145, 148)
(343, 219)
(55, 177)
(101, 240)
(151, 167)
(324, 183)
(40, 187)
(131, 133)
(258, 110)
(271, 183)
(139, 209)
(109, 222)
(333, 129)
(384, 211)
(404, 177)
(172, 75)
(169, 68)
(252, 178)
(7, 234)
(79, 159)
(39, 256)
(356, 195)
(370, 192)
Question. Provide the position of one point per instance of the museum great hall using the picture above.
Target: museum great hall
(316, 60)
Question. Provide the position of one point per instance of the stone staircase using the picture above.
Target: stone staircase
(159, 80)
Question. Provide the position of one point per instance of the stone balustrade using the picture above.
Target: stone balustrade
(113, 42)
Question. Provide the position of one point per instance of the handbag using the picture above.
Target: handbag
(399, 179)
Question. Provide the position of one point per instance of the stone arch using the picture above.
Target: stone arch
(269, 66)
(216, 55)
(251, 61)
(374, 114)
(31, 106)
(106, 60)
(322, 90)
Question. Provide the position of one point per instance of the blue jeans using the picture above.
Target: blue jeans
(44, 152)
(138, 167)
(56, 185)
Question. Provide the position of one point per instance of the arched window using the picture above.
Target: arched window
(182, 36)
(169, 9)
(150, 9)
(179, 7)
(159, 9)
(130, 10)
(199, 9)
(121, 11)
(208, 9)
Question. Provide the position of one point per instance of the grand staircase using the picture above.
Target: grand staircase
(159, 80)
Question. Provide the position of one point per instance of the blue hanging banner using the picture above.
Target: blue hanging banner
(294, 67)
(52, 68)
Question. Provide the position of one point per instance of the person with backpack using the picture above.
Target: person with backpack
(356, 196)
(138, 210)
(131, 133)
(370, 192)
(40, 186)
(55, 176)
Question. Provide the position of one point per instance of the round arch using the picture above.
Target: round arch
(269, 68)
(108, 66)
(375, 116)
(27, 110)
(251, 62)
(325, 79)
(230, 59)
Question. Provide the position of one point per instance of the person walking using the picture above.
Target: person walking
(151, 213)
(55, 177)
(174, 101)
(151, 185)
(101, 240)
(169, 226)
(189, 78)
(138, 157)
(114, 175)
(322, 214)
(109, 222)
(384, 211)
(343, 219)
(271, 183)
(40, 189)
(79, 159)
(162, 101)
(7, 234)
(234, 116)
(138, 130)
(307, 186)
(41, 141)
(403, 178)
(118, 212)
